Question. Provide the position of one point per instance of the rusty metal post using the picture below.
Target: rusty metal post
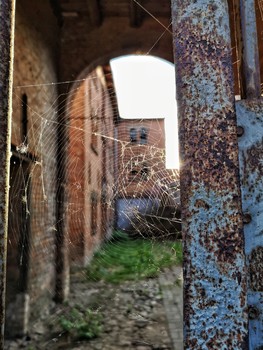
(215, 314)
(250, 121)
(7, 15)
(250, 59)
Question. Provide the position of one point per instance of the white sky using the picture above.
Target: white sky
(145, 88)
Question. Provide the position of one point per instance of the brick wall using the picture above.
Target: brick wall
(34, 148)
(147, 191)
(141, 160)
(112, 39)
(90, 167)
(76, 173)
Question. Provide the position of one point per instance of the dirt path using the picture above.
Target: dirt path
(133, 316)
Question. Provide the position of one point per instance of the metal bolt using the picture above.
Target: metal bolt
(240, 131)
(247, 218)
(253, 312)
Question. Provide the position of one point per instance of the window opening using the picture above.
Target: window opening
(94, 131)
(143, 136)
(145, 171)
(133, 135)
(24, 118)
(89, 173)
(94, 203)
(134, 172)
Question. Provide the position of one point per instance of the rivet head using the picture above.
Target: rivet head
(247, 218)
(240, 131)
(253, 312)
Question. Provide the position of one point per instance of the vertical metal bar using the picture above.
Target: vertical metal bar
(250, 49)
(7, 19)
(250, 120)
(214, 263)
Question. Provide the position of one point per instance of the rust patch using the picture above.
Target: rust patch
(256, 269)
(214, 264)
(249, 114)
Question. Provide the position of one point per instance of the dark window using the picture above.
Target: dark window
(134, 172)
(24, 117)
(138, 171)
(144, 171)
(133, 135)
(94, 202)
(143, 136)
(89, 173)
(94, 131)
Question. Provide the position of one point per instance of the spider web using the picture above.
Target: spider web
(116, 186)
(121, 182)
(113, 184)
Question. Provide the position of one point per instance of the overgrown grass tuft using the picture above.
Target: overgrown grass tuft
(81, 324)
(124, 259)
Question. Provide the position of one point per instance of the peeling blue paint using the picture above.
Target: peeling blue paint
(203, 9)
(255, 299)
(215, 315)
(213, 279)
(250, 117)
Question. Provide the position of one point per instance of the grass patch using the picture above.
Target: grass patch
(81, 324)
(124, 259)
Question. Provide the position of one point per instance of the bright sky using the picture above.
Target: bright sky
(145, 88)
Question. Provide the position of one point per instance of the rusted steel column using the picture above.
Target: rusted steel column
(214, 265)
(250, 119)
(250, 57)
(6, 75)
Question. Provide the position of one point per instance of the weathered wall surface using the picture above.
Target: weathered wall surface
(34, 140)
(76, 173)
(140, 164)
(113, 38)
(90, 167)
(147, 191)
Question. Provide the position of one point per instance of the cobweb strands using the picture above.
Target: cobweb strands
(82, 179)
(114, 183)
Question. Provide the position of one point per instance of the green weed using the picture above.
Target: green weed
(81, 324)
(129, 259)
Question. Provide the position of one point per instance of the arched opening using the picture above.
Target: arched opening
(145, 87)
(123, 134)
(145, 90)
(123, 200)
